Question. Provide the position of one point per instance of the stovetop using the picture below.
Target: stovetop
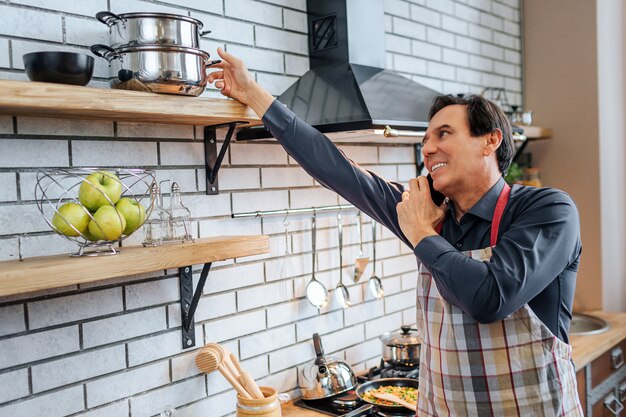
(349, 401)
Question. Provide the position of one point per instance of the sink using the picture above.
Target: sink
(583, 325)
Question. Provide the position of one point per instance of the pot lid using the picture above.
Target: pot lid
(406, 336)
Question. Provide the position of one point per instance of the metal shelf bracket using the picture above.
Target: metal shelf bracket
(189, 302)
(213, 160)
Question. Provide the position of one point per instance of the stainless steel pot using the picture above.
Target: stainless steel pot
(158, 69)
(326, 376)
(401, 348)
(134, 29)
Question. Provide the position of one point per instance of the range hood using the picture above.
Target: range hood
(347, 90)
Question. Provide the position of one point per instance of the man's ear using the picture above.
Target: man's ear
(493, 141)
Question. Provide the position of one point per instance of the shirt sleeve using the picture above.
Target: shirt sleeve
(321, 159)
(540, 243)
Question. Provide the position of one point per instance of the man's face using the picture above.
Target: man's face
(452, 156)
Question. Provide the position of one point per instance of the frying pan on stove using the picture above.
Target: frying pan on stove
(382, 382)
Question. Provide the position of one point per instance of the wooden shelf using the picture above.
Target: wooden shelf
(34, 274)
(22, 98)
(537, 132)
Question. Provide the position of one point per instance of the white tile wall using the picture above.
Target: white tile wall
(114, 348)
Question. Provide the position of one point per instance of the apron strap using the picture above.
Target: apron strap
(498, 212)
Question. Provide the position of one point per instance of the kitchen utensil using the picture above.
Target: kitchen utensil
(160, 69)
(266, 406)
(59, 67)
(341, 292)
(57, 195)
(383, 382)
(132, 29)
(224, 356)
(374, 283)
(286, 268)
(246, 379)
(316, 292)
(326, 376)
(361, 261)
(208, 361)
(392, 398)
(401, 348)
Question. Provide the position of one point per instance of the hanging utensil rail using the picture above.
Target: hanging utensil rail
(307, 210)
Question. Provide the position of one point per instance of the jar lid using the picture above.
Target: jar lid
(406, 336)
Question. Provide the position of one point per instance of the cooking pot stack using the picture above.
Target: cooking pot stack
(154, 52)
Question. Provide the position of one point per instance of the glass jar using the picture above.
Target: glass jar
(265, 407)
(531, 177)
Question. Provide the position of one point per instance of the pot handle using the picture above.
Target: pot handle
(406, 329)
(105, 51)
(205, 32)
(108, 18)
(319, 350)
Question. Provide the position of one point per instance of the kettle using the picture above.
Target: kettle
(326, 376)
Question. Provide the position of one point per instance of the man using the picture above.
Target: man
(497, 264)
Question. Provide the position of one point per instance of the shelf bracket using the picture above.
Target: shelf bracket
(213, 160)
(189, 301)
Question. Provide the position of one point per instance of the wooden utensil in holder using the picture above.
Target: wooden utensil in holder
(216, 357)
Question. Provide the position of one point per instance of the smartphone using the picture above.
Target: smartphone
(436, 195)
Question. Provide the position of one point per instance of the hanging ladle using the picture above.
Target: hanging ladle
(316, 292)
(361, 261)
(374, 283)
(341, 292)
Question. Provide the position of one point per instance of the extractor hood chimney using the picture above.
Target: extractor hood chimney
(347, 88)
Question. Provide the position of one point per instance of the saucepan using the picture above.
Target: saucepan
(382, 382)
(156, 68)
(134, 29)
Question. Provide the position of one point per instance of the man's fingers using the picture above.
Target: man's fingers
(228, 57)
(219, 84)
(216, 75)
(414, 185)
(422, 182)
(406, 195)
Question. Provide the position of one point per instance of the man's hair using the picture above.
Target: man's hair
(483, 117)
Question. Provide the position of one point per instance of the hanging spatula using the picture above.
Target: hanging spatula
(361, 261)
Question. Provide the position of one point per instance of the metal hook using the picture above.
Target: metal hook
(285, 222)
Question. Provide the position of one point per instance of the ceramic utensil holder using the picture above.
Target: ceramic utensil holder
(265, 407)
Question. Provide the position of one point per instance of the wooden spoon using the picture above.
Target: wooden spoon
(207, 361)
(392, 398)
(246, 379)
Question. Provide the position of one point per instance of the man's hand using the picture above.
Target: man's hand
(417, 214)
(235, 81)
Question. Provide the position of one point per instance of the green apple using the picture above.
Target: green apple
(71, 219)
(107, 223)
(95, 189)
(133, 212)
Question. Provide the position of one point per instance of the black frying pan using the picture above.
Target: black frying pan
(396, 382)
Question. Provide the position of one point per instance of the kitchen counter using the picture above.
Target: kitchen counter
(585, 349)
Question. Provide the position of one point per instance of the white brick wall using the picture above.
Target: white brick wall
(113, 348)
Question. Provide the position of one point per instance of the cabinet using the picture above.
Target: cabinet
(602, 383)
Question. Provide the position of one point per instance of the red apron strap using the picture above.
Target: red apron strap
(498, 212)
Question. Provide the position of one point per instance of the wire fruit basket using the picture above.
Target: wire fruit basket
(95, 208)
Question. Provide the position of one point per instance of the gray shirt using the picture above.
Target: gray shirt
(535, 261)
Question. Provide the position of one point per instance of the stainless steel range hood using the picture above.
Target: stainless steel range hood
(347, 90)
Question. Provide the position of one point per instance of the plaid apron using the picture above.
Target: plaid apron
(513, 367)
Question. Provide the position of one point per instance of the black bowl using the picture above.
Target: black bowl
(59, 67)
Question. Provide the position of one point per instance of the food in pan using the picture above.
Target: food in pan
(408, 394)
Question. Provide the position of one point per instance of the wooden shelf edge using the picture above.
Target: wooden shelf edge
(537, 132)
(23, 98)
(41, 273)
